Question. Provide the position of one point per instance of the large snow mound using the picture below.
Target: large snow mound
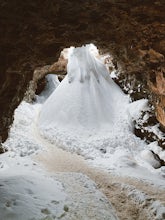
(87, 102)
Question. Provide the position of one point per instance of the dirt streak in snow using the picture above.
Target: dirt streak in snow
(127, 207)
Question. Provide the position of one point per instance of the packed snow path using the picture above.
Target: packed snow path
(132, 199)
(28, 192)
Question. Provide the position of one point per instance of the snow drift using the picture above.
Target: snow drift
(86, 102)
(25, 197)
(90, 115)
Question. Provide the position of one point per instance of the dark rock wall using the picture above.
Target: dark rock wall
(32, 34)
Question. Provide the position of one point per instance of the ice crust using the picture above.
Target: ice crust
(87, 102)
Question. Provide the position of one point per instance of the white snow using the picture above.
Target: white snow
(87, 108)
(90, 115)
(28, 192)
(155, 129)
(52, 83)
(87, 113)
(155, 208)
(21, 139)
(137, 107)
(148, 156)
(87, 99)
(30, 197)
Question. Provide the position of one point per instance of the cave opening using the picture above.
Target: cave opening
(59, 67)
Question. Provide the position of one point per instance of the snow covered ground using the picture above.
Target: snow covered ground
(90, 115)
(29, 192)
(87, 114)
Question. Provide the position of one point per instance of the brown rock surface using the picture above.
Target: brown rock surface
(156, 84)
(38, 82)
(60, 66)
(34, 32)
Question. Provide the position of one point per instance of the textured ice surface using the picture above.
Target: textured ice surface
(87, 106)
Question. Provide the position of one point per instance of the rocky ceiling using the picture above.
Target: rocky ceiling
(33, 32)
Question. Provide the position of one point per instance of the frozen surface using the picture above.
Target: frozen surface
(87, 108)
(136, 108)
(86, 103)
(30, 197)
(52, 83)
(28, 192)
(88, 114)
(155, 208)
(21, 139)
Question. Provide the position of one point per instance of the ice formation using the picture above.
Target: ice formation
(87, 101)
(89, 114)
(52, 83)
